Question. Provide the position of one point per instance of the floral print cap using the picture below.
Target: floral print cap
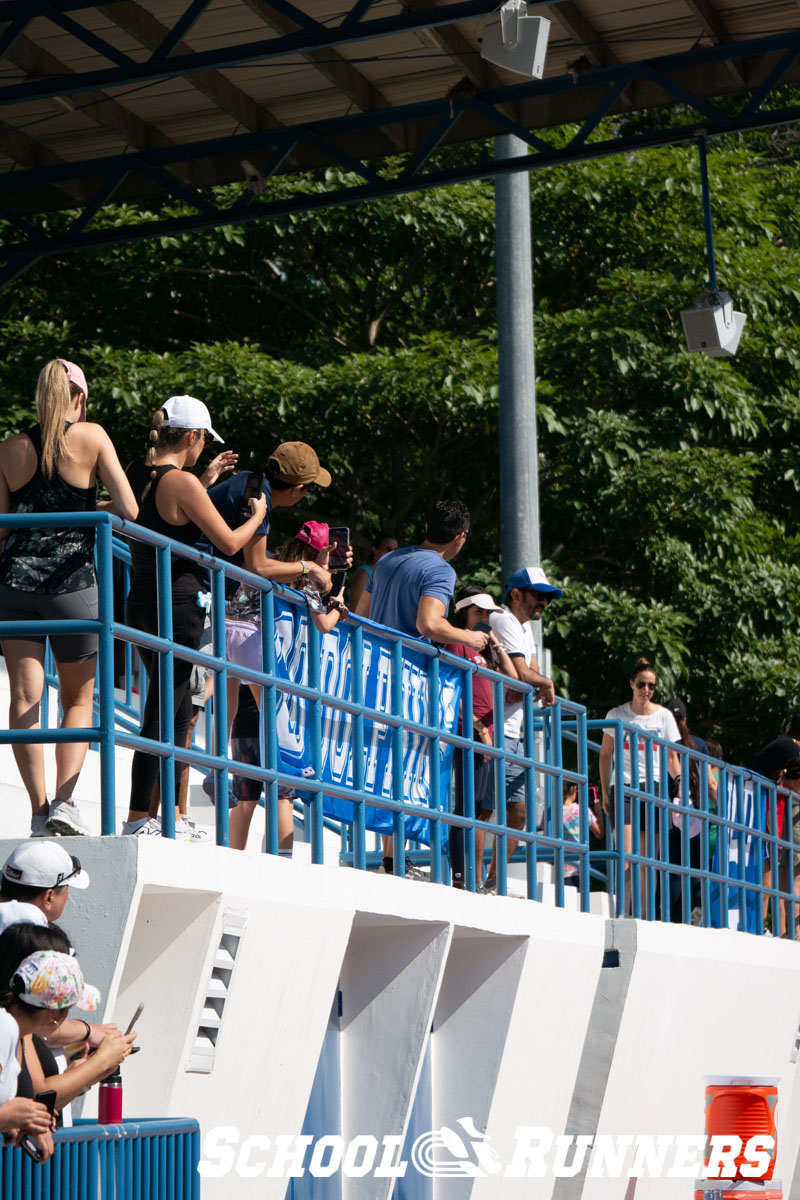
(48, 979)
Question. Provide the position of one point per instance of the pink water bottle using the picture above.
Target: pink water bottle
(109, 1102)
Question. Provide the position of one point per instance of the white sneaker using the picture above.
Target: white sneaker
(146, 827)
(65, 818)
(39, 824)
(187, 831)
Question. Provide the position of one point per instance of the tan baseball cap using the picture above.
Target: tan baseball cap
(296, 462)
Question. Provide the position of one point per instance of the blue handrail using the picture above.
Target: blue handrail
(663, 874)
(153, 1158)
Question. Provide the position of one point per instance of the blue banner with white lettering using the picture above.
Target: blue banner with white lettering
(744, 803)
(336, 680)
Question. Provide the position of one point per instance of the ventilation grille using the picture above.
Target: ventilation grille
(216, 992)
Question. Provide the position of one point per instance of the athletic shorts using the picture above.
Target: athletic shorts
(199, 675)
(243, 640)
(248, 750)
(68, 606)
(783, 856)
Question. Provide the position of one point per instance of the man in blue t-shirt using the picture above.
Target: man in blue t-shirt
(292, 470)
(411, 588)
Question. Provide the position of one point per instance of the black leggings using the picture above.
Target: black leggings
(187, 629)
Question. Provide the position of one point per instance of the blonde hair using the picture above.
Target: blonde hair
(161, 436)
(54, 397)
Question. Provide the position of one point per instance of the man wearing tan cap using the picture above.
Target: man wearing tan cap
(292, 471)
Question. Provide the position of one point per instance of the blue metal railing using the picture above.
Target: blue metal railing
(156, 1159)
(660, 875)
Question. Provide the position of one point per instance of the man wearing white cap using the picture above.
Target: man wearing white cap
(35, 881)
(527, 595)
(34, 888)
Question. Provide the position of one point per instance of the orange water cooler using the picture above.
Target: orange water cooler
(742, 1106)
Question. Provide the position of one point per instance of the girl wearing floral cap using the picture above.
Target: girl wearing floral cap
(36, 999)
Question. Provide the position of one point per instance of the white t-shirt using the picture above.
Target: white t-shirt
(9, 1067)
(661, 722)
(517, 640)
(12, 912)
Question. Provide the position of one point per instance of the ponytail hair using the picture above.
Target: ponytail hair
(161, 437)
(54, 397)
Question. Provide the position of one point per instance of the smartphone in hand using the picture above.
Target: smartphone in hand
(340, 534)
(252, 489)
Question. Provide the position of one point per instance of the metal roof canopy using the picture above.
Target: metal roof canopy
(144, 101)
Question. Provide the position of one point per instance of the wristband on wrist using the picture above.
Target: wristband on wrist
(88, 1033)
(306, 570)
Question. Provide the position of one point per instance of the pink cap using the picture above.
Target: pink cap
(315, 533)
(75, 375)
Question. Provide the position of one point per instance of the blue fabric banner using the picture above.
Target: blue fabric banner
(745, 855)
(336, 680)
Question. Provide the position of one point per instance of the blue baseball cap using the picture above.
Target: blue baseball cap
(535, 579)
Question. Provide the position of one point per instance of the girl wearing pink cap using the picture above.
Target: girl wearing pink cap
(244, 647)
(48, 574)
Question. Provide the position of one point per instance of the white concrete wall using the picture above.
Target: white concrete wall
(508, 1001)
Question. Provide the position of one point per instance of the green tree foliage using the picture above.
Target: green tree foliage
(670, 490)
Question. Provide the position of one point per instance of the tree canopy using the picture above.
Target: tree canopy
(669, 487)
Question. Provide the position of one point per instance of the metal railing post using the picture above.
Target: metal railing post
(222, 780)
(105, 678)
(268, 732)
(315, 722)
(398, 818)
(356, 640)
(166, 693)
(434, 759)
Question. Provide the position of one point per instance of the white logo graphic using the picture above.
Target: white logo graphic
(475, 1158)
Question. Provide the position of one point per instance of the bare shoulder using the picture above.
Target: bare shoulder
(18, 451)
(88, 432)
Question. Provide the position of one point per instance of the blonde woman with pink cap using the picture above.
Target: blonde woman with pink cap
(48, 574)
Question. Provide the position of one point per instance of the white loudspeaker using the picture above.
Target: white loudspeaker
(711, 326)
(516, 41)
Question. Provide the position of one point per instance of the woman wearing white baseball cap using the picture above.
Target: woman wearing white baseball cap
(48, 574)
(173, 502)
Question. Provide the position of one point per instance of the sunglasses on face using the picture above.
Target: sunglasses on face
(650, 686)
(539, 597)
(63, 876)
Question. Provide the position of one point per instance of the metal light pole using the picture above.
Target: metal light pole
(519, 465)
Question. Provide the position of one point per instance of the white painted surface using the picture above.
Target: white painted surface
(508, 986)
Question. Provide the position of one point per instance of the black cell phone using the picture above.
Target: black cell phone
(29, 1143)
(338, 558)
(48, 1099)
(482, 627)
(252, 489)
(31, 1148)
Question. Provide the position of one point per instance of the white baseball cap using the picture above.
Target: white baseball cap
(481, 600)
(43, 864)
(185, 412)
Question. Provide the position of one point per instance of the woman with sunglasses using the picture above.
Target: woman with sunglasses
(175, 503)
(642, 712)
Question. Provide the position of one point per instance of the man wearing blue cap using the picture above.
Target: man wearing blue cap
(527, 595)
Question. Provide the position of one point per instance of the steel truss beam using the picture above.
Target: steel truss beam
(311, 37)
(270, 148)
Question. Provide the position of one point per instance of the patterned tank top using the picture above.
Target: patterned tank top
(49, 561)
